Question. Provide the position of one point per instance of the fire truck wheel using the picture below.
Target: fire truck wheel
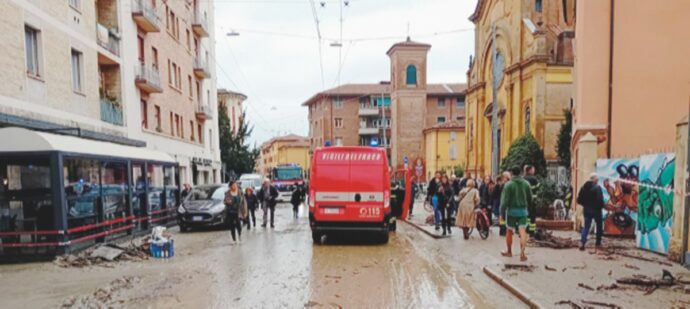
(316, 237)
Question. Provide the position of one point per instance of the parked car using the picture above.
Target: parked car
(203, 207)
(251, 180)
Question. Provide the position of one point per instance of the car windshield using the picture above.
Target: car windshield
(288, 173)
(208, 193)
(250, 183)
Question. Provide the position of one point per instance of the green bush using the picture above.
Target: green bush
(564, 139)
(545, 194)
(459, 171)
(525, 150)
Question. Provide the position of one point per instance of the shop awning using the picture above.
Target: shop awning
(24, 140)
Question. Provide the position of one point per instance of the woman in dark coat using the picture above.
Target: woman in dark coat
(296, 199)
(252, 202)
(445, 195)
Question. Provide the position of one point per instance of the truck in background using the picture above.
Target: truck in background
(285, 178)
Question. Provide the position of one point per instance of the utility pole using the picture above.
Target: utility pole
(494, 111)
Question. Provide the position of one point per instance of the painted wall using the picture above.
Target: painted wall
(439, 146)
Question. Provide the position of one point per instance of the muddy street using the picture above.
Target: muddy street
(271, 268)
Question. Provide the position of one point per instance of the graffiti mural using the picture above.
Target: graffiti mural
(656, 202)
(618, 179)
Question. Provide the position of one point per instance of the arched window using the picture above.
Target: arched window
(411, 75)
(528, 119)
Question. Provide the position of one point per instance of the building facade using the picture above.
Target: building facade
(288, 149)
(444, 146)
(531, 74)
(388, 114)
(133, 72)
(231, 102)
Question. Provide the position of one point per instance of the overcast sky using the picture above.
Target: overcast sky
(275, 59)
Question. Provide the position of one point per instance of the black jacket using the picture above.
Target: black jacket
(431, 189)
(297, 195)
(496, 196)
(272, 196)
(252, 201)
(445, 194)
(485, 195)
(591, 198)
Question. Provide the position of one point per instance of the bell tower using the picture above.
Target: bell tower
(408, 96)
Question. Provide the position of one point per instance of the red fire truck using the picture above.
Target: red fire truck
(350, 190)
(285, 177)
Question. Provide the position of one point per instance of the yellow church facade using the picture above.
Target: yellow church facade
(531, 70)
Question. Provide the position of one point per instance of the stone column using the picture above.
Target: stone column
(680, 216)
(585, 165)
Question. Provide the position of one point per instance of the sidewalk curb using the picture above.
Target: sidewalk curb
(434, 236)
(511, 288)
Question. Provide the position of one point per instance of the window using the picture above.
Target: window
(460, 118)
(338, 122)
(140, 48)
(144, 115)
(441, 103)
(460, 103)
(338, 103)
(172, 125)
(338, 141)
(189, 41)
(537, 5)
(453, 136)
(177, 125)
(31, 37)
(158, 118)
(440, 119)
(154, 51)
(411, 75)
(77, 78)
(167, 18)
(200, 132)
(191, 90)
(528, 119)
(191, 130)
(170, 72)
(75, 4)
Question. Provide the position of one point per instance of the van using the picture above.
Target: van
(349, 191)
(251, 180)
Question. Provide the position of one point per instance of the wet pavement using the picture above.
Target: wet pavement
(271, 268)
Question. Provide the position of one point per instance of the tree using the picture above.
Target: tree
(564, 139)
(525, 150)
(234, 149)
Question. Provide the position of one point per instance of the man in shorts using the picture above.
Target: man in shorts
(516, 198)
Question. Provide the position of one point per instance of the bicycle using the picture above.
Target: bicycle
(483, 223)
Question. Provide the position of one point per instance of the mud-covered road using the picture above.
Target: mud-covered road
(271, 268)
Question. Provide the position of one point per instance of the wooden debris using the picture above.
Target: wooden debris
(641, 258)
(547, 267)
(549, 241)
(521, 267)
(644, 282)
(612, 286)
(601, 304)
(631, 266)
(572, 304)
(584, 286)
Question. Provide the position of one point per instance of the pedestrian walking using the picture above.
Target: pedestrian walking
(296, 199)
(592, 200)
(485, 195)
(267, 196)
(431, 195)
(445, 198)
(529, 172)
(235, 209)
(469, 200)
(252, 203)
(516, 198)
(414, 187)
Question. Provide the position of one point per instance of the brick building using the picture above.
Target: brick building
(388, 114)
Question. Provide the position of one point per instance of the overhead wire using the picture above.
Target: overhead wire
(318, 33)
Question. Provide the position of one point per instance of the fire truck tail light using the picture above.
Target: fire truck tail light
(386, 199)
(312, 196)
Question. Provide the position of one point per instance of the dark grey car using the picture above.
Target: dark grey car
(203, 207)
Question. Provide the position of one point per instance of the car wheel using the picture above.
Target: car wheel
(384, 237)
(316, 237)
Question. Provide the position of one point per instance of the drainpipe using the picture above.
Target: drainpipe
(610, 107)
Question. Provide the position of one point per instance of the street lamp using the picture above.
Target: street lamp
(233, 33)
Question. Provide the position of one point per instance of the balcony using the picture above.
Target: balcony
(368, 131)
(204, 112)
(148, 79)
(201, 69)
(145, 16)
(111, 111)
(200, 24)
(108, 39)
(368, 111)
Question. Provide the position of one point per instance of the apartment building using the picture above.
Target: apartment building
(387, 114)
(288, 149)
(133, 72)
(231, 102)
